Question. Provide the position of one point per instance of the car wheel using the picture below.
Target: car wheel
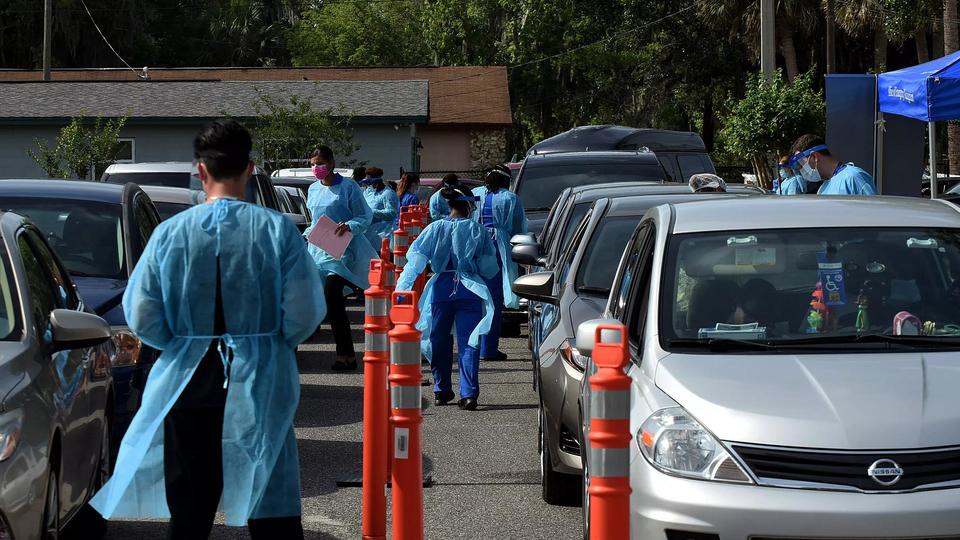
(558, 488)
(51, 508)
(88, 523)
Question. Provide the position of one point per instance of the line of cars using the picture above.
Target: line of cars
(792, 377)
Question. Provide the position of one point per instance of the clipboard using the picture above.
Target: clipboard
(324, 236)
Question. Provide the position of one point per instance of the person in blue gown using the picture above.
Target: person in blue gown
(501, 212)
(383, 203)
(438, 206)
(407, 191)
(226, 290)
(812, 158)
(342, 202)
(463, 259)
(790, 182)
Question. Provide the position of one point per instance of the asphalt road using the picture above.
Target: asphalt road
(484, 463)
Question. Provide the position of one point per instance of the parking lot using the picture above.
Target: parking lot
(483, 464)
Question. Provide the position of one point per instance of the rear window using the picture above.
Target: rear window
(540, 186)
(171, 179)
(603, 254)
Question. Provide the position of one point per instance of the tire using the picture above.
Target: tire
(511, 330)
(558, 488)
(585, 501)
(50, 526)
(88, 523)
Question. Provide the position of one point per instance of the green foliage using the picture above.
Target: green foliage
(288, 131)
(83, 149)
(903, 18)
(770, 117)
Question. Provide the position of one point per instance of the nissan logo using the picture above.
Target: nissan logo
(885, 472)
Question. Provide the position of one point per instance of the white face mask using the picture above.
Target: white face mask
(810, 174)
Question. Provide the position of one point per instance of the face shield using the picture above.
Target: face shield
(802, 160)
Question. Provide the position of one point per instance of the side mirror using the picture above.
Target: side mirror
(537, 287)
(523, 239)
(527, 254)
(587, 332)
(76, 329)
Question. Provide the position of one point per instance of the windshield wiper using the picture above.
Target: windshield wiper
(907, 341)
(600, 291)
(76, 273)
(720, 344)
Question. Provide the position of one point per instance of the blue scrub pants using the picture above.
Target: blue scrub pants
(453, 303)
(490, 343)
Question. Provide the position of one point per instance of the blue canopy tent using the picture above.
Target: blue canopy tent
(928, 92)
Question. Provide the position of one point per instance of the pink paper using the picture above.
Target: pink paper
(324, 236)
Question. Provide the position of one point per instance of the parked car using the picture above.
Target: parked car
(301, 183)
(682, 153)
(181, 174)
(99, 231)
(55, 403)
(429, 186)
(581, 281)
(306, 172)
(766, 406)
(292, 206)
(544, 176)
(170, 201)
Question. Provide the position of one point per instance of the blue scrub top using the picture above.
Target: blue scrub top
(795, 185)
(849, 180)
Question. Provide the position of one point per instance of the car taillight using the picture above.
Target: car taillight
(128, 347)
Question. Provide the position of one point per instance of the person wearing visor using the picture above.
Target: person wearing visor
(437, 204)
(812, 158)
(791, 183)
(359, 173)
(501, 212)
(407, 193)
(707, 183)
(384, 204)
(463, 259)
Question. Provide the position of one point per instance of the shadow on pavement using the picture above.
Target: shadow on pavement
(326, 405)
(324, 463)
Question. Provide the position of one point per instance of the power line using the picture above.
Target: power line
(95, 25)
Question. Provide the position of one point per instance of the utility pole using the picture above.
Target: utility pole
(47, 37)
(768, 43)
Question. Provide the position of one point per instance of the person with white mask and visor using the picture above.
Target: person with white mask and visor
(812, 159)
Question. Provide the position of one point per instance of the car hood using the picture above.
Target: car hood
(838, 401)
(101, 294)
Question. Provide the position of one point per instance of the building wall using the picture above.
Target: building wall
(444, 149)
(380, 145)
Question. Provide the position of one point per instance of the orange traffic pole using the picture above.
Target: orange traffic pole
(610, 436)
(390, 272)
(376, 358)
(401, 240)
(385, 249)
(407, 472)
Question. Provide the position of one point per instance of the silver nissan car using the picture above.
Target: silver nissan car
(795, 367)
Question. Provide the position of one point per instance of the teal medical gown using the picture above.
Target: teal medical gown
(508, 213)
(343, 202)
(795, 185)
(464, 245)
(385, 206)
(169, 304)
(438, 206)
(849, 180)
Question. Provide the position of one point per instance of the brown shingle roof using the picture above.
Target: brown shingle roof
(474, 95)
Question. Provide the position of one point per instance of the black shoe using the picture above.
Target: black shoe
(442, 398)
(340, 365)
(425, 381)
(500, 357)
(468, 404)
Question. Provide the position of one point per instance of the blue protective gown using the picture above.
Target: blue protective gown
(438, 206)
(169, 304)
(849, 180)
(385, 206)
(343, 202)
(795, 185)
(464, 249)
(408, 199)
(509, 220)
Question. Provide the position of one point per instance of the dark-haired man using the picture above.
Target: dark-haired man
(812, 159)
(215, 428)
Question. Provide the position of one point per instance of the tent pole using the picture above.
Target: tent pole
(932, 135)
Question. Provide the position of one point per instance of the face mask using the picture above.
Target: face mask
(321, 171)
(810, 174)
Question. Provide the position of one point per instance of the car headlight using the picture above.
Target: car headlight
(675, 443)
(572, 356)
(10, 426)
(128, 347)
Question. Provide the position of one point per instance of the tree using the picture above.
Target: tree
(82, 150)
(951, 43)
(770, 117)
(905, 19)
(288, 131)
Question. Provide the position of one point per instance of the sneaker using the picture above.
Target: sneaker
(468, 404)
(442, 398)
(341, 365)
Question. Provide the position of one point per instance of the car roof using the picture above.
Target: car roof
(169, 194)
(638, 204)
(812, 211)
(62, 189)
(289, 190)
(615, 189)
(292, 180)
(615, 156)
(158, 167)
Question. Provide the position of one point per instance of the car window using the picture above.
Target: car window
(570, 251)
(604, 251)
(168, 209)
(172, 179)
(145, 220)
(575, 216)
(9, 312)
(66, 297)
(539, 186)
(669, 162)
(87, 235)
(556, 211)
(630, 266)
(43, 295)
(636, 318)
(691, 164)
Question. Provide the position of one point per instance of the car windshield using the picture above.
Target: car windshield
(8, 300)
(170, 179)
(169, 209)
(812, 287)
(540, 186)
(603, 254)
(87, 235)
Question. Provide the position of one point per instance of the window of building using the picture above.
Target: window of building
(127, 152)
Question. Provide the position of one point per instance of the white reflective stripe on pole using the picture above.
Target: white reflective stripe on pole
(932, 130)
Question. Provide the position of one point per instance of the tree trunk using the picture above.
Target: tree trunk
(708, 122)
(923, 53)
(788, 48)
(830, 17)
(951, 42)
(880, 50)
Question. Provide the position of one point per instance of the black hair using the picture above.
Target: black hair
(322, 152)
(451, 179)
(359, 173)
(806, 142)
(497, 177)
(223, 146)
(453, 197)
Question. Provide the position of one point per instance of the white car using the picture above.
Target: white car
(299, 172)
(795, 365)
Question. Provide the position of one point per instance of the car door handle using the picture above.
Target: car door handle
(538, 308)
